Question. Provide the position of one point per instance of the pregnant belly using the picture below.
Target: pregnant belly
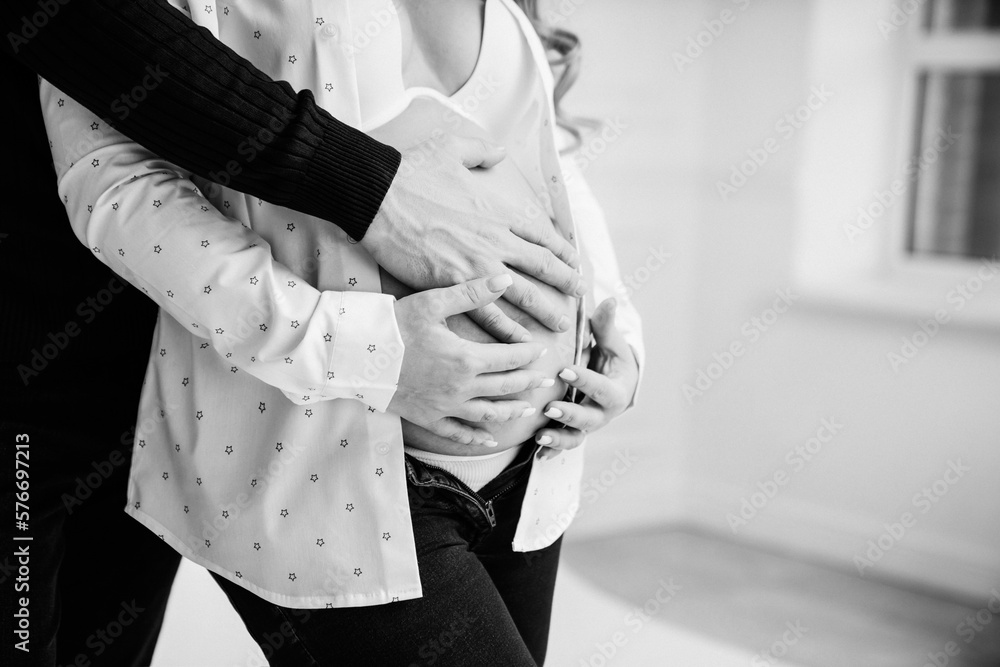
(560, 346)
(420, 121)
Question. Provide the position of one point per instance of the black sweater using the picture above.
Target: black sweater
(210, 101)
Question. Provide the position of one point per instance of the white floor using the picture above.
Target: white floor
(202, 630)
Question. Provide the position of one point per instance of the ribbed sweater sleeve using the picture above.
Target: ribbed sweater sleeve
(206, 109)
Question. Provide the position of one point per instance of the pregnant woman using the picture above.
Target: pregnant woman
(266, 447)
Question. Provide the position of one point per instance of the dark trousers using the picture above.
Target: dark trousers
(482, 603)
(74, 340)
(97, 581)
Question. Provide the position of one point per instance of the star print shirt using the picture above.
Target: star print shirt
(207, 107)
(263, 451)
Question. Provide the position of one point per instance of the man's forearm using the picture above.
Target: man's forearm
(202, 106)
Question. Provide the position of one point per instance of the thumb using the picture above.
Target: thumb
(479, 153)
(470, 295)
(603, 324)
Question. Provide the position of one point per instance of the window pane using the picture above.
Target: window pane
(956, 203)
(964, 15)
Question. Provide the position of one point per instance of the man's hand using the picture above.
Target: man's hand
(438, 226)
(443, 375)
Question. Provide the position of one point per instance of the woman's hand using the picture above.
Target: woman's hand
(609, 385)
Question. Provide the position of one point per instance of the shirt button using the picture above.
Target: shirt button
(330, 30)
(382, 448)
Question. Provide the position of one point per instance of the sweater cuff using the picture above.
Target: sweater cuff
(348, 177)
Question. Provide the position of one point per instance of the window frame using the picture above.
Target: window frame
(883, 277)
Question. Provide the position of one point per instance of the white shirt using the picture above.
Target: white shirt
(263, 451)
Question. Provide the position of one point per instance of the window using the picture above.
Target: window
(955, 206)
(898, 186)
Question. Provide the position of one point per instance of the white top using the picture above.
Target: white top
(263, 451)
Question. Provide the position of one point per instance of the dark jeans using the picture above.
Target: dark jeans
(98, 581)
(482, 603)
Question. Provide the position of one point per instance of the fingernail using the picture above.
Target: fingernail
(544, 440)
(490, 443)
(525, 338)
(568, 375)
(581, 291)
(549, 453)
(544, 352)
(528, 412)
(553, 413)
(563, 323)
(547, 382)
(497, 283)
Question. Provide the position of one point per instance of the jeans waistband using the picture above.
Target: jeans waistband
(419, 473)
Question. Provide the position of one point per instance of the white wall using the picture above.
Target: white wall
(700, 460)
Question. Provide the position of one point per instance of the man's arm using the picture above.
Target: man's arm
(211, 112)
(204, 107)
(145, 219)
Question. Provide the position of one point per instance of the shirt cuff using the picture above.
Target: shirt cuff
(367, 353)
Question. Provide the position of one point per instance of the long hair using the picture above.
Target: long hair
(564, 52)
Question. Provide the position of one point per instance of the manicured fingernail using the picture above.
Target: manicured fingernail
(528, 412)
(497, 283)
(544, 440)
(525, 338)
(553, 413)
(568, 375)
(490, 443)
(547, 382)
(581, 291)
(563, 323)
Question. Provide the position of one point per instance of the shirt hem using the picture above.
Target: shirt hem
(291, 602)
